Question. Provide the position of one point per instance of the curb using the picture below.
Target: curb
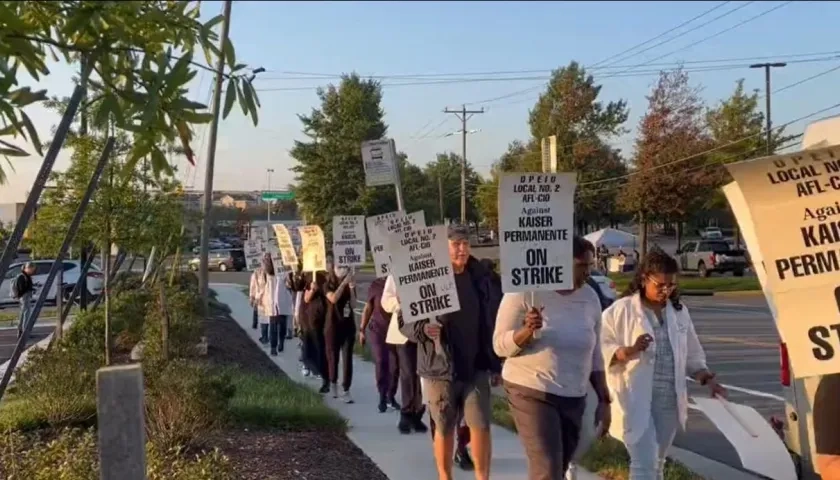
(707, 468)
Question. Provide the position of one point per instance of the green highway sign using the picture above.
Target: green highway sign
(268, 196)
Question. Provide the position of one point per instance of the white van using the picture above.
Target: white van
(797, 428)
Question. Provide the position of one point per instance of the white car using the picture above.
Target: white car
(72, 271)
(711, 233)
(606, 284)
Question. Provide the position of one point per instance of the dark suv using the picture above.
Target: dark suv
(223, 260)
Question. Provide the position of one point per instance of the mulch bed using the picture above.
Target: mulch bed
(277, 454)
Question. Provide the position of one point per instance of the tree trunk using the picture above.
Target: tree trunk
(643, 236)
(679, 233)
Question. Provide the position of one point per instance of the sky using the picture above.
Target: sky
(464, 39)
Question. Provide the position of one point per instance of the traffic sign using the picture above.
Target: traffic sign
(267, 196)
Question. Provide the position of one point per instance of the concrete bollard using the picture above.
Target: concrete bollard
(120, 415)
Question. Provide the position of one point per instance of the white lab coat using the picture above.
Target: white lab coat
(262, 294)
(391, 303)
(631, 383)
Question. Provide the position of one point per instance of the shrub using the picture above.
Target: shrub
(126, 282)
(185, 401)
(129, 314)
(183, 309)
(72, 455)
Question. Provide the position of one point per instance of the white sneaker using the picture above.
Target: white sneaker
(346, 398)
(305, 372)
(335, 390)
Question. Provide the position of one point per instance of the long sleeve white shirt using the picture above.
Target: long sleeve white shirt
(631, 382)
(391, 303)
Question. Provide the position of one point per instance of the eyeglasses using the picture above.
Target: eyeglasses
(662, 287)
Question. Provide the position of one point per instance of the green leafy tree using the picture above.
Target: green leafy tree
(571, 110)
(670, 176)
(136, 59)
(518, 157)
(443, 176)
(330, 174)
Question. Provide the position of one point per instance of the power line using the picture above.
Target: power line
(724, 15)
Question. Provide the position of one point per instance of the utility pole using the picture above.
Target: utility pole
(203, 274)
(268, 202)
(440, 197)
(463, 115)
(767, 67)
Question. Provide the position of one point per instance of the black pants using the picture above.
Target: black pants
(410, 393)
(549, 428)
(256, 319)
(340, 337)
(314, 352)
(277, 332)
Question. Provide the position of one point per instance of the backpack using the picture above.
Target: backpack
(14, 291)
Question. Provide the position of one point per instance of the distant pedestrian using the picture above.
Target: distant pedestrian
(546, 376)
(314, 317)
(649, 345)
(22, 290)
(340, 327)
(284, 307)
(372, 332)
(263, 295)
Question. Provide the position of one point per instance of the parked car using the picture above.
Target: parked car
(222, 260)
(70, 277)
(605, 283)
(711, 233)
(710, 256)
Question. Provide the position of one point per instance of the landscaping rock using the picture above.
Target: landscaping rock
(137, 352)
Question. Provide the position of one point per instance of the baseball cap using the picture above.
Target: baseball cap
(458, 232)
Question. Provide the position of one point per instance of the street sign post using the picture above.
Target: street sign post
(271, 196)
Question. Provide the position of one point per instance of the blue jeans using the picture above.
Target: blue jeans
(25, 310)
(277, 332)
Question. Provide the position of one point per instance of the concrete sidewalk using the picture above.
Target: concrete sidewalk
(400, 457)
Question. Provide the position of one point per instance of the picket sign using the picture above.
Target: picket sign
(349, 240)
(313, 250)
(536, 228)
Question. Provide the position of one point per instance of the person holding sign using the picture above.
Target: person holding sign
(340, 327)
(375, 322)
(546, 376)
(650, 345)
(458, 379)
(315, 317)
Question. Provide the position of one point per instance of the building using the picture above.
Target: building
(10, 213)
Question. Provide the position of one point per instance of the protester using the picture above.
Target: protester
(314, 315)
(340, 327)
(375, 321)
(649, 346)
(412, 408)
(604, 301)
(284, 308)
(22, 291)
(546, 374)
(292, 319)
(262, 291)
(827, 427)
(459, 378)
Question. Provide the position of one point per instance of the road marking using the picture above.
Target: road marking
(739, 341)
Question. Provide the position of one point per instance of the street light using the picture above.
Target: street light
(268, 201)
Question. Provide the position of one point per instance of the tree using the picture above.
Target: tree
(330, 175)
(570, 110)
(518, 157)
(669, 169)
(136, 60)
(444, 176)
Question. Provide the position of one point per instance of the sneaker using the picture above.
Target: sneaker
(393, 404)
(305, 372)
(404, 426)
(335, 390)
(418, 425)
(463, 460)
(274, 353)
(383, 405)
(324, 389)
(346, 398)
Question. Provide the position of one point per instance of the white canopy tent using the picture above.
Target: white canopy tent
(612, 238)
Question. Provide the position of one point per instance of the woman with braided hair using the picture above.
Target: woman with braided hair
(650, 346)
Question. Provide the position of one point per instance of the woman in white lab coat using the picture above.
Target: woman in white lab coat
(649, 346)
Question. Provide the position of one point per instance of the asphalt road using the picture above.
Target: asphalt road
(741, 345)
(8, 339)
